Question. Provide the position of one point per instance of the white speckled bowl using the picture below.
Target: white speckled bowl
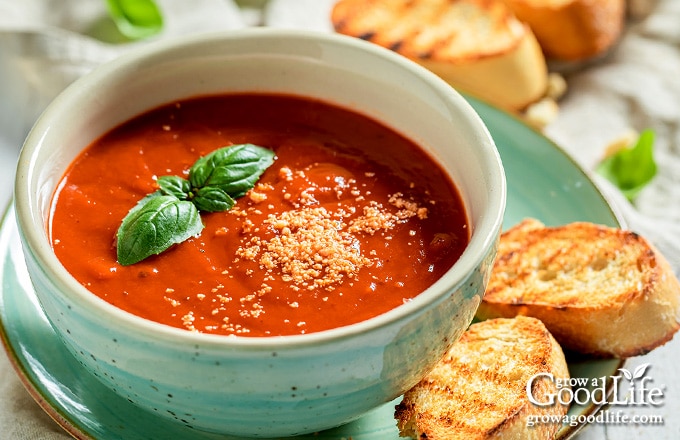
(271, 386)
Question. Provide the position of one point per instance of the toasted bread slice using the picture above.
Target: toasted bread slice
(477, 46)
(599, 290)
(572, 30)
(479, 389)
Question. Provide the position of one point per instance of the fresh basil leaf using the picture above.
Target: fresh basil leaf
(174, 186)
(171, 214)
(157, 222)
(631, 168)
(233, 169)
(212, 199)
(136, 19)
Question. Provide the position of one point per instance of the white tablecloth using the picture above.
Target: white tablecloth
(46, 44)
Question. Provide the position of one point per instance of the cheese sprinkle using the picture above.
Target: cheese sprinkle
(316, 248)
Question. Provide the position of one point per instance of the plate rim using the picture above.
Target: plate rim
(611, 205)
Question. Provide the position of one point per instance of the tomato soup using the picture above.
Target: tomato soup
(350, 221)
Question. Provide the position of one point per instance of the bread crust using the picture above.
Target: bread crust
(572, 30)
(478, 46)
(599, 290)
(478, 390)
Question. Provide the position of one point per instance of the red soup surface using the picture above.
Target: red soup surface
(350, 221)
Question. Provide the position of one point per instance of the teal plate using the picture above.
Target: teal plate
(543, 182)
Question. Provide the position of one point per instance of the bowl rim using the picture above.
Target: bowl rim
(483, 238)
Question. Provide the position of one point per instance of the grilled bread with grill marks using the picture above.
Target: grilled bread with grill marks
(477, 46)
(572, 30)
(478, 390)
(599, 290)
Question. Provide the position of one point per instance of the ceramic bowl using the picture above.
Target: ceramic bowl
(269, 386)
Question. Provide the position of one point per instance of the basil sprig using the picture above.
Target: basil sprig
(171, 215)
(631, 168)
(136, 19)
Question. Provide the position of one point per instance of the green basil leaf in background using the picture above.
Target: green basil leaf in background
(174, 186)
(212, 199)
(632, 168)
(157, 222)
(233, 169)
(136, 19)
